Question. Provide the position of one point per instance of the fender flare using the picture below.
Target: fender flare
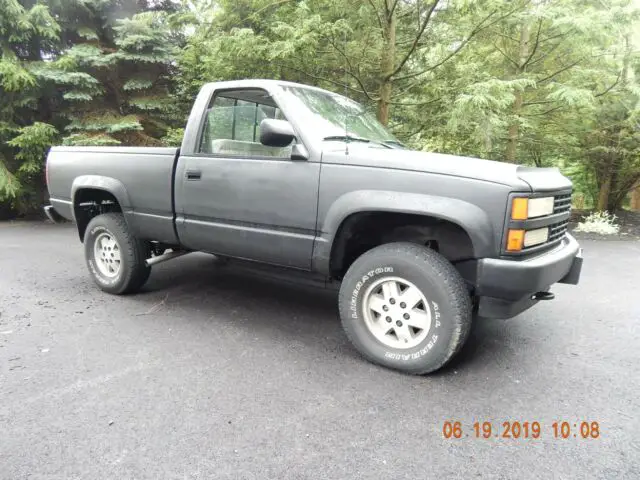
(472, 219)
(99, 182)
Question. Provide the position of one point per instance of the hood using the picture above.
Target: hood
(518, 177)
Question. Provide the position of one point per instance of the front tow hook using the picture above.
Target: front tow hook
(543, 296)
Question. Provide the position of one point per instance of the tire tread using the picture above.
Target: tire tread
(133, 248)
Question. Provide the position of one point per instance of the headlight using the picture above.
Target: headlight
(523, 208)
(519, 239)
(536, 237)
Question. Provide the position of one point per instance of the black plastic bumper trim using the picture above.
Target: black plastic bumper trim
(499, 308)
(516, 278)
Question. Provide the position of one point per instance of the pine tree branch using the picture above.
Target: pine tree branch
(266, 7)
(543, 113)
(553, 48)
(375, 10)
(607, 90)
(252, 14)
(406, 41)
(323, 79)
(535, 47)
(477, 29)
(350, 70)
(541, 102)
(416, 40)
(402, 14)
(412, 134)
(558, 72)
(407, 88)
(393, 7)
(508, 37)
(559, 35)
(545, 55)
(412, 104)
(515, 64)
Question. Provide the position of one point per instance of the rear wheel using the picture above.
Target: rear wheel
(116, 259)
(406, 307)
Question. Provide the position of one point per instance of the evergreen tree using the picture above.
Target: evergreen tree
(114, 73)
(27, 32)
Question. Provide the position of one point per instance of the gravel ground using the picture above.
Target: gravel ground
(217, 372)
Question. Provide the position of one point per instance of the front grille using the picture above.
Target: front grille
(562, 203)
(557, 230)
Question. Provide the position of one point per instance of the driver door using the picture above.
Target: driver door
(243, 199)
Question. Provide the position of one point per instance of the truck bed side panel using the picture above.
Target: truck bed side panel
(144, 172)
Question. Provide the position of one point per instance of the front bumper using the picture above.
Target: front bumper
(506, 287)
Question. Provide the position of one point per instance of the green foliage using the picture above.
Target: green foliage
(540, 83)
(33, 141)
(75, 95)
(85, 55)
(173, 138)
(610, 145)
(108, 122)
(97, 140)
(120, 64)
(94, 70)
(149, 102)
(518, 81)
(26, 31)
(137, 84)
(9, 185)
(87, 33)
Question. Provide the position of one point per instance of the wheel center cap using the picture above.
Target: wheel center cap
(396, 312)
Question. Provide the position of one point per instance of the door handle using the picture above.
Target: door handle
(194, 174)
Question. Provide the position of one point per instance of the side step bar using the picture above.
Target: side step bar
(52, 215)
(165, 256)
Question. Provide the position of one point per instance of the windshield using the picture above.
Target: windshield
(332, 116)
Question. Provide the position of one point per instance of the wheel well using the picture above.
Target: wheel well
(363, 231)
(90, 202)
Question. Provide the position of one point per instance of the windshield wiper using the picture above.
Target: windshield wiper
(390, 143)
(347, 138)
(351, 138)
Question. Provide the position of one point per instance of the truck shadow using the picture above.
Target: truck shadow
(200, 289)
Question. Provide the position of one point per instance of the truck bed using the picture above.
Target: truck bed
(143, 175)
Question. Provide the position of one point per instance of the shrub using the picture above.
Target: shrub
(603, 223)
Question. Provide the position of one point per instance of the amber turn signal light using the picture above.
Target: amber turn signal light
(515, 240)
(520, 209)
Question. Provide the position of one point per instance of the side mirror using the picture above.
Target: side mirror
(276, 133)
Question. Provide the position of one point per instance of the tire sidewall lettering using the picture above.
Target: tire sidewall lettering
(355, 295)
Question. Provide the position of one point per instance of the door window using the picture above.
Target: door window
(232, 125)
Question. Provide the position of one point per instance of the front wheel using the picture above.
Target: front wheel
(406, 307)
(116, 259)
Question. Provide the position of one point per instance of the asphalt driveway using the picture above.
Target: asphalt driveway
(216, 372)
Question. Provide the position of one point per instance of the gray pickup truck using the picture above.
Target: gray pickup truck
(298, 177)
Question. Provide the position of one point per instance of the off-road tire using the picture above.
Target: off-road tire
(133, 271)
(440, 283)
